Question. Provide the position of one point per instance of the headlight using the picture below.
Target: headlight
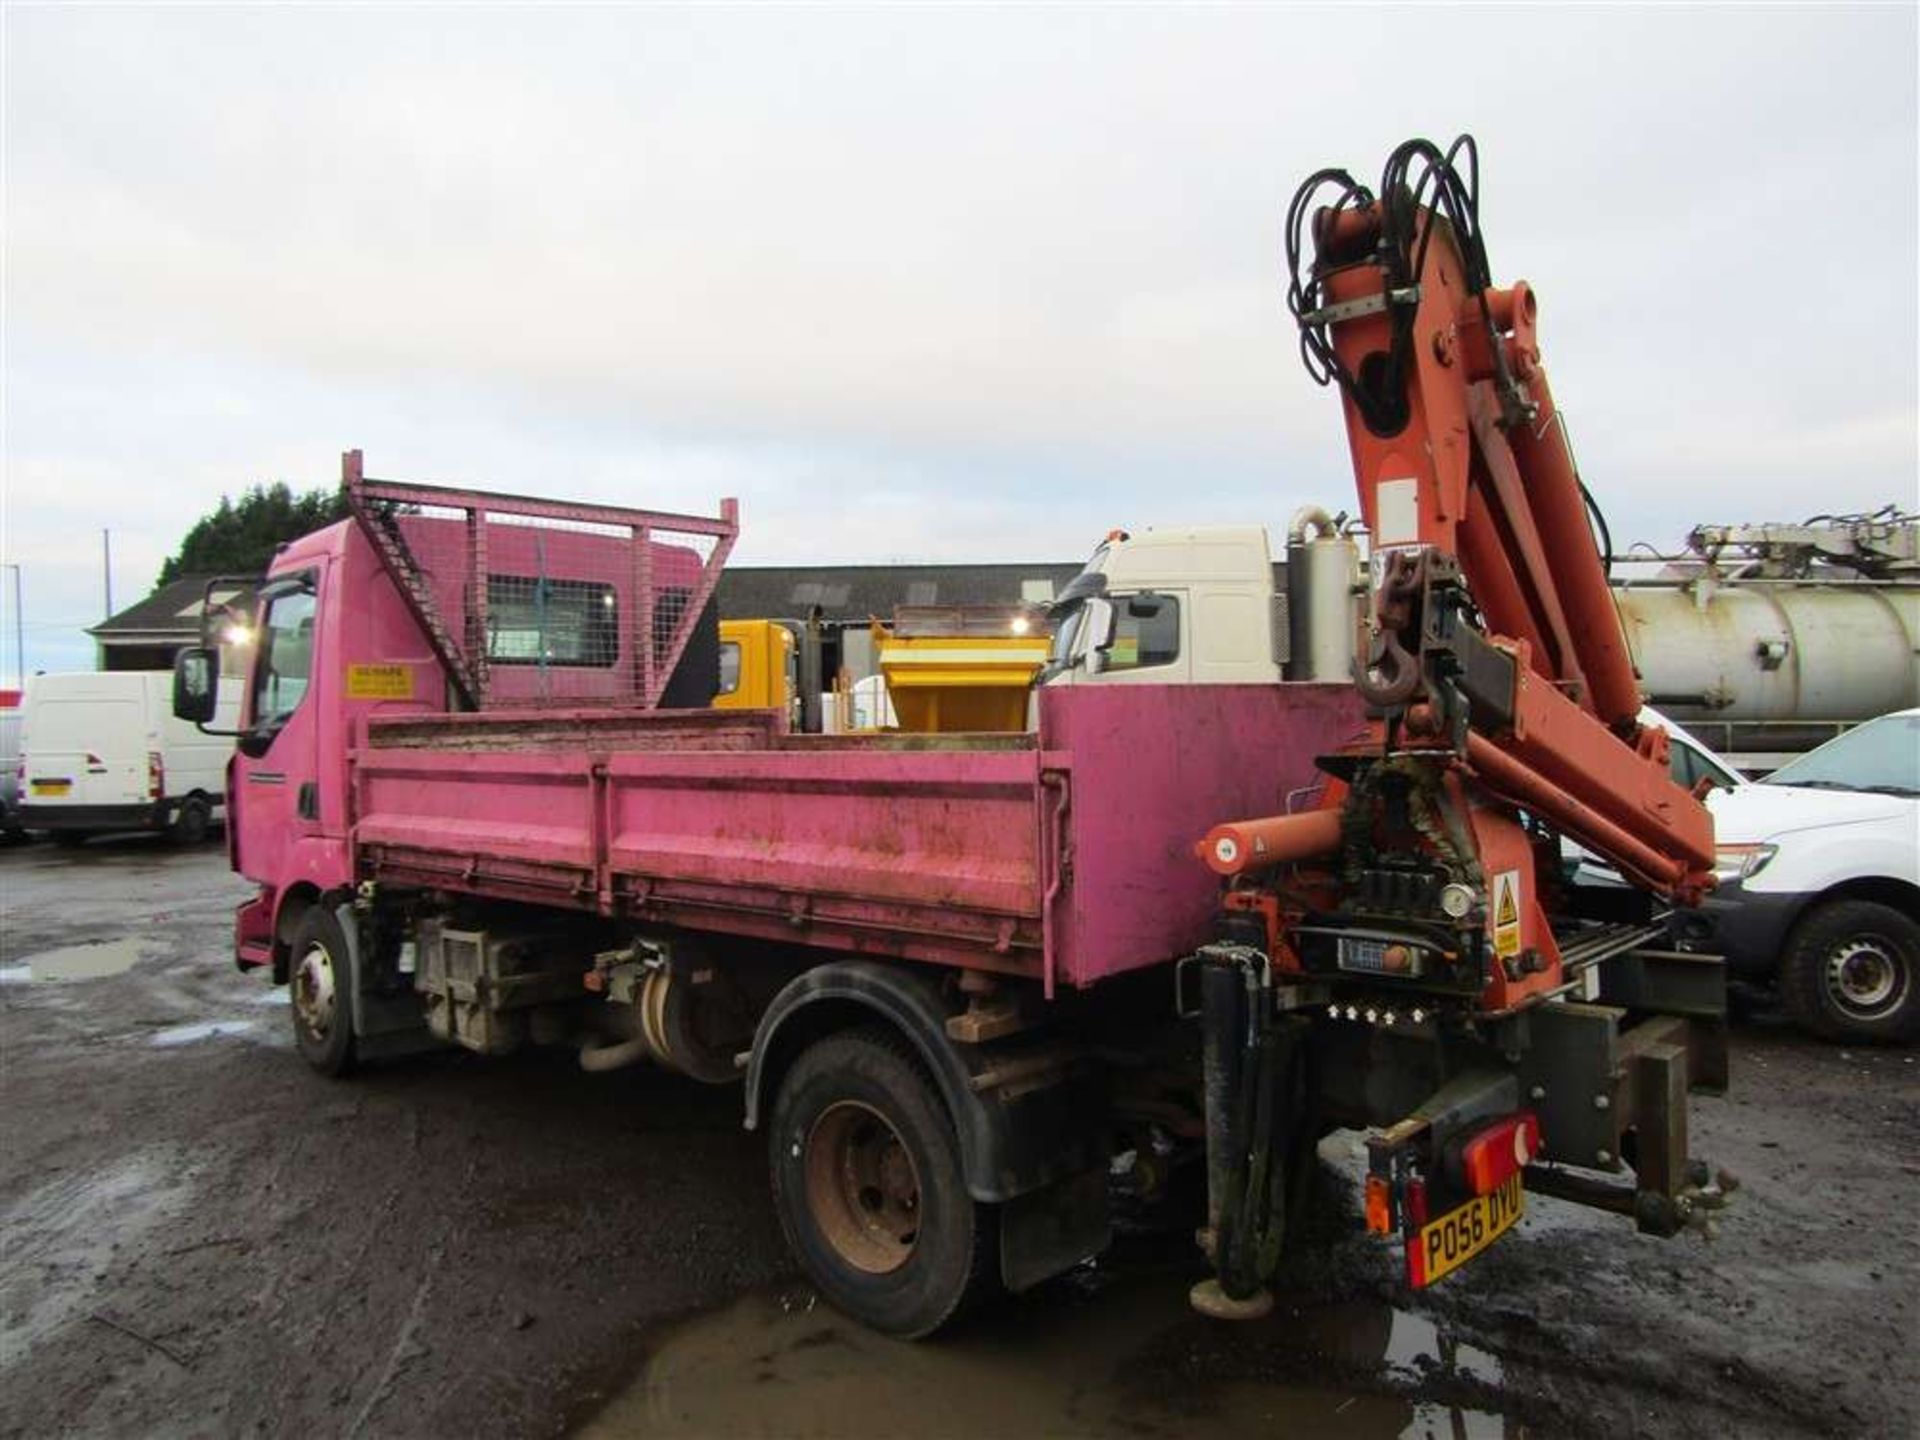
(1741, 862)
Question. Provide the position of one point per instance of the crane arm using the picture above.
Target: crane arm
(1408, 936)
(1494, 633)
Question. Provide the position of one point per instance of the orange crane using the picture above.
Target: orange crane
(1429, 887)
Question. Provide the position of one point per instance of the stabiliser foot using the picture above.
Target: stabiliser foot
(1210, 1300)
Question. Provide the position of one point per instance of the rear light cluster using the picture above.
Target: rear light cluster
(1379, 1205)
(156, 775)
(1484, 1162)
(1381, 1216)
(1499, 1152)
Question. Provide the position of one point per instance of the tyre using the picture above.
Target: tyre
(319, 976)
(191, 821)
(1848, 972)
(870, 1190)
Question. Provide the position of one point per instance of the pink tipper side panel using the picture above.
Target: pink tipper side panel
(1155, 767)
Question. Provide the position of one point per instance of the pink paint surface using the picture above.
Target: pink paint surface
(1068, 856)
(1153, 769)
(1077, 850)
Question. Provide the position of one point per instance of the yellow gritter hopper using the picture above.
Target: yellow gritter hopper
(942, 684)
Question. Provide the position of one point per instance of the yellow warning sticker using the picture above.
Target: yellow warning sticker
(379, 682)
(1506, 913)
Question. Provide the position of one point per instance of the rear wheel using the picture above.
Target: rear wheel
(191, 820)
(1849, 972)
(870, 1189)
(319, 977)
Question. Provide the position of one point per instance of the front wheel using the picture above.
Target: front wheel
(320, 977)
(870, 1190)
(1848, 972)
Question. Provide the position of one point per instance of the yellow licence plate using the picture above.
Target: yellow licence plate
(1444, 1245)
(51, 787)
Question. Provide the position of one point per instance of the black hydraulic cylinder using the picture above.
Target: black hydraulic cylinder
(1223, 1027)
(1229, 1064)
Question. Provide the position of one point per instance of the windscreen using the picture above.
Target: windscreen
(1882, 756)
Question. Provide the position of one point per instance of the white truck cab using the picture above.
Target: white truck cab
(1197, 605)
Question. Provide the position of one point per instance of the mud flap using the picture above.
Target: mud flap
(1050, 1230)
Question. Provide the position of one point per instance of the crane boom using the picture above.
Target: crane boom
(1385, 960)
(1494, 631)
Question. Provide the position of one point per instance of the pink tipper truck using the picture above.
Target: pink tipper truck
(485, 802)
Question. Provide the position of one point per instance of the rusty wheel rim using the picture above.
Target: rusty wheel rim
(862, 1187)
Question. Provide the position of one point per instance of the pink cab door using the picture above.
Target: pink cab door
(275, 799)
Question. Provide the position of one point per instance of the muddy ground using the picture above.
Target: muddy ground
(201, 1237)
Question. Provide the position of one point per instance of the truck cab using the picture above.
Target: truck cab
(1197, 605)
(757, 666)
(339, 645)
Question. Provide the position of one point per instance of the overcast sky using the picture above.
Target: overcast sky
(941, 284)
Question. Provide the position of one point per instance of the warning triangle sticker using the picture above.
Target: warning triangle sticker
(1506, 911)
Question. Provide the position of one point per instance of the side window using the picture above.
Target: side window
(536, 621)
(1683, 765)
(286, 657)
(1146, 632)
(729, 666)
(1689, 767)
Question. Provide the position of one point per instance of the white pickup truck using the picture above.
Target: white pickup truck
(1820, 878)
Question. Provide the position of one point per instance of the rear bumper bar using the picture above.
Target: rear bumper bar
(151, 815)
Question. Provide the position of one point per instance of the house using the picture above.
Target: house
(145, 635)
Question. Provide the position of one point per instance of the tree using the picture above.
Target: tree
(239, 536)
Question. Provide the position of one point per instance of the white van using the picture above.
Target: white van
(102, 751)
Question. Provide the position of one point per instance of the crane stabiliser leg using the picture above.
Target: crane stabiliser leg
(1260, 1129)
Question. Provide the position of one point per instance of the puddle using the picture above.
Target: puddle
(194, 1034)
(1418, 1346)
(77, 962)
(1124, 1355)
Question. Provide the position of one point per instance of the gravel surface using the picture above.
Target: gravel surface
(202, 1237)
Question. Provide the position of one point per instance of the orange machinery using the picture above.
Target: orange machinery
(1506, 698)
(1415, 921)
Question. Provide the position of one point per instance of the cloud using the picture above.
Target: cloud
(918, 283)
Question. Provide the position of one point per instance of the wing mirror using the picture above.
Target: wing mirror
(196, 683)
(1098, 625)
